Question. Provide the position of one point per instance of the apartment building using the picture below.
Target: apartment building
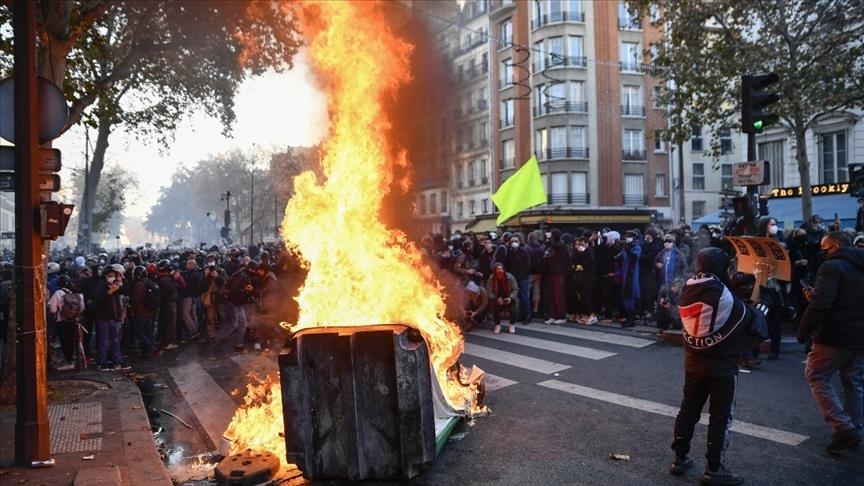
(568, 82)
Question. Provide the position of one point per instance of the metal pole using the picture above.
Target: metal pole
(252, 208)
(32, 445)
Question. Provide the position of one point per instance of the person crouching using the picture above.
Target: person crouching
(503, 295)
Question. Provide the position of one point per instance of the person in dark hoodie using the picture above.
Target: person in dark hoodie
(834, 320)
(717, 327)
(557, 265)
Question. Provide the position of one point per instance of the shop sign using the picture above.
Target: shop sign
(816, 190)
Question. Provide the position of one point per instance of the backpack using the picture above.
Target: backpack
(71, 307)
(154, 295)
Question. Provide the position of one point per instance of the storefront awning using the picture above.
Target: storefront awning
(787, 211)
(482, 225)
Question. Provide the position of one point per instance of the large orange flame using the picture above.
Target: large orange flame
(360, 272)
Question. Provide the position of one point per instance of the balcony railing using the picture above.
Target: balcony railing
(562, 153)
(561, 107)
(629, 24)
(570, 198)
(560, 61)
(633, 110)
(508, 162)
(633, 155)
(635, 200)
(558, 17)
(506, 123)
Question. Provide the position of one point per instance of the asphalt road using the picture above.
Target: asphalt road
(564, 400)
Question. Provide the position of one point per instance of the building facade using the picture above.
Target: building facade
(566, 81)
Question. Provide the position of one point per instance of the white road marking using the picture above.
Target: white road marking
(513, 359)
(753, 430)
(211, 405)
(599, 336)
(546, 345)
(494, 382)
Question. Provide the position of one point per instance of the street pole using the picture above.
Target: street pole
(32, 445)
(252, 208)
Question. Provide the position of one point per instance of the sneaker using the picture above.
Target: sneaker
(106, 367)
(549, 321)
(680, 465)
(591, 320)
(496, 329)
(122, 367)
(845, 439)
(720, 476)
(170, 347)
(65, 367)
(559, 321)
(511, 328)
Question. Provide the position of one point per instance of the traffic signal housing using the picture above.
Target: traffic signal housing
(756, 96)
(856, 180)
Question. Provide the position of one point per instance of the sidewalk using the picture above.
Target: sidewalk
(91, 414)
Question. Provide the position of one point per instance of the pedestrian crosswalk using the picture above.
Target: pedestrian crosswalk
(503, 353)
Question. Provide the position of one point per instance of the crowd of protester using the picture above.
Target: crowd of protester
(624, 277)
(149, 301)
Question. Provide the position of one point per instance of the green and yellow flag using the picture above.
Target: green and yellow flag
(522, 190)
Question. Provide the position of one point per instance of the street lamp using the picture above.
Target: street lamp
(226, 229)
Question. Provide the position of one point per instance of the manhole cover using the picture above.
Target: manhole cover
(247, 468)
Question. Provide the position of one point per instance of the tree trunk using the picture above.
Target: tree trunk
(800, 129)
(9, 379)
(94, 174)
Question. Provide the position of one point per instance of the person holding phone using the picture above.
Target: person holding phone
(109, 320)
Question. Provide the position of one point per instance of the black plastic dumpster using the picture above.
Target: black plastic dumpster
(357, 402)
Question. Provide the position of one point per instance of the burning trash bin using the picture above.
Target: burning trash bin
(359, 402)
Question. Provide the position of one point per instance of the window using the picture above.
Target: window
(631, 101)
(508, 154)
(698, 174)
(506, 73)
(422, 204)
(631, 55)
(508, 114)
(460, 209)
(555, 11)
(577, 92)
(632, 140)
(506, 34)
(558, 140)
(634, 189)
(725, 140)
(725, 176)
(484, 133)
(577, 138)
(773, 153)
(696, 139)
(459, 172)
(574, 10)
(575, 50)
(698, 209)
(558, 191)
(541, 142)
(433, 204)
(540, 52)
(556, 96)
(485, 205)
(833, 155)
(659, 144)
(472, 173)
(660, 185)
(656, 92)
(484, 173)
(443, 208)
(579, 188)
(556, 51)
(625, 19)
(484, 63)
(472, 207)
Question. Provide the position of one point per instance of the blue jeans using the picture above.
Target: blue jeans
(822, 363)
(144, 328)
(109, 341)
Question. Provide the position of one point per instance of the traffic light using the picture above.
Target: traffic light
(755, 98)
(856, 180)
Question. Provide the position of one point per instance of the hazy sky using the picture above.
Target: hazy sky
(273, 111)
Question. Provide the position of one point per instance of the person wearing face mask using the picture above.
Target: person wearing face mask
(109, 320)
(519, 265)
(503, 292)
(628, 263)
(834, 321)
(775, 292)
(582, 277)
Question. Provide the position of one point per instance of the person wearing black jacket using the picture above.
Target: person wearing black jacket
(190, 298)
(519, 265)
(717, 327)
(557, 265)
(109, 320)
(834, 320)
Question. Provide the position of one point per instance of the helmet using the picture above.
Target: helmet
(118, 268)
(53, 267)
(151, 269)
(253, 266)
(164, 265)
(139, 272)
(714, 261)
